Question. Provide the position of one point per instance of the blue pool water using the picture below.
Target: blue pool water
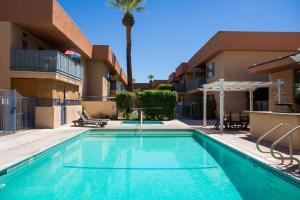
(144, 122)
(103, 165)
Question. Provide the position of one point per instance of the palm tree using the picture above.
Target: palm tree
(150, 77)
(128, 6)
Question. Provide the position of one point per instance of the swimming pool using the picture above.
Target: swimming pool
(144, 122)
(156, 165)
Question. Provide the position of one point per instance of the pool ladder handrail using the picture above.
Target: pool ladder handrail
(290, 135)
(267, 134)
(273, 153)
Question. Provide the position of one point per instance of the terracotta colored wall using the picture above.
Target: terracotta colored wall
(287, 90)
(98, 85)
(100, 107)
(33, 42)
(45, 88)
(5, 35)
(233, 66)
(261, 123)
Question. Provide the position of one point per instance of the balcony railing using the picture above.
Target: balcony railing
(45, 61)
(179, 87)
(195, 83)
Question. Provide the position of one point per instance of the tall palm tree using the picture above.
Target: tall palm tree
(128, 6)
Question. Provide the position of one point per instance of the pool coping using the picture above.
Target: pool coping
(261, 162)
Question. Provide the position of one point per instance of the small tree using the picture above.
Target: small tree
(150, 77)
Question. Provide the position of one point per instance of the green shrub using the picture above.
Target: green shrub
(124, 100)
(165, 87)
(158, 104)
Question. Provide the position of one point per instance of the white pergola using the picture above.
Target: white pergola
(222, 86)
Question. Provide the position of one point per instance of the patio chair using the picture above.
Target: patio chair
(84, 121)
(225, 121)
(88, 116)
(235, 120)
(245, 120)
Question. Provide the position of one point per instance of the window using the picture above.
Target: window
(210, 70)
(24, 44)
(297, 87)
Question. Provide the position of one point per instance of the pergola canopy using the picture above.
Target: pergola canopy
(238, 86)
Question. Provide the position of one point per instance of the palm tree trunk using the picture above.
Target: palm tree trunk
(128, 56)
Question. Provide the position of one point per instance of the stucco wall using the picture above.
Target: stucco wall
(72, 113)
(95, 108)
(45, 88)
(287, 90)
(233, 66)
(98, 85)
(261, 123)
(5, 35)
(47, 117)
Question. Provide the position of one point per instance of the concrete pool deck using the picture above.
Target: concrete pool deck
(25, 144)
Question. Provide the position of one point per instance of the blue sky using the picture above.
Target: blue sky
(171, 31)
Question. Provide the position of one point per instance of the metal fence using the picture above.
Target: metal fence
(16, 112)
(45, 61)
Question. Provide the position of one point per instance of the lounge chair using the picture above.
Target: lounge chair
(84, 121)
(87, 115)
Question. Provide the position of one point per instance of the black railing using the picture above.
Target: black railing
(49, 102)
(45, 61)
(179, 87)
(195, 83)
(97, 98)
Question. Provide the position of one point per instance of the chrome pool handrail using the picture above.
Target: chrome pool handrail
(288, 134)
(268, 133)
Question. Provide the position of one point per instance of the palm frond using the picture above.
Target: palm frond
(128, 5)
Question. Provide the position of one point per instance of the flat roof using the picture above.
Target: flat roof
(278, 64)
(245, 41)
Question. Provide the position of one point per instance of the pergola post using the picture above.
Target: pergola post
(251, 99)
(221, 105)
(204, 107)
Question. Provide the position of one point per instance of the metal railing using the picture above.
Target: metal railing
(49, 102)
(179, 87)
(195, 83)
(290, 137)
(45, 61)
(97, 98)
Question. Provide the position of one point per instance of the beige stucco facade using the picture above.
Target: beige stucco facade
(22, 27)
(100, 108)
(262, 122)
(233, 66)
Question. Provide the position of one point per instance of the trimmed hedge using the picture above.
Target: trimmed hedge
(165, 87)
(124, 100)
(158, 104)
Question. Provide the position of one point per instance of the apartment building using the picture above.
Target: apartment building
(227, 55)
(153, 84)
(34, 35)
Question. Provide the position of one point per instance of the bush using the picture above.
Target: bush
(124, 101)
(158, 104)
(165, 87)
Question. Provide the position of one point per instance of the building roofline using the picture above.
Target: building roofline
(245, 41)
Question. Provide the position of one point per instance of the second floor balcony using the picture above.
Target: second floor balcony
(195, 83)
(45, 61)
(179, 87)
